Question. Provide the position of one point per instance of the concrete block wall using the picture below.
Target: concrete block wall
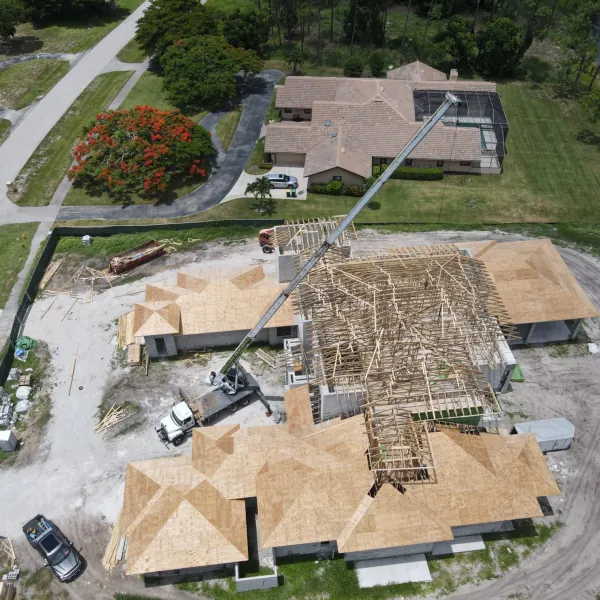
(285, 267)
(324, 549)
(260, 582)
(388, 552)
(170, 345)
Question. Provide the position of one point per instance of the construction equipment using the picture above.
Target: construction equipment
(265, 239)
(187, 414)
(226, 379)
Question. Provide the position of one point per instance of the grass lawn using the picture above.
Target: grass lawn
(132, 53)
(104, 247)
(79, 197)
(22, 84)
(227, 126)
(5, 126)
(256, 159)
(48, 164)
(67, 36)
(15, 241)
(149, 90)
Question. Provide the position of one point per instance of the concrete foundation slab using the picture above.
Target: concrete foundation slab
(397, 569)
(469, 543)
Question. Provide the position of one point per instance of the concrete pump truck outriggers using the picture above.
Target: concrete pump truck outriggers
(232, 382)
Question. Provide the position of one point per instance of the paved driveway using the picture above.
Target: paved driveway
(239, 189)
(228, 169)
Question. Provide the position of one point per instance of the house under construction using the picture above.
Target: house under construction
(394, 368)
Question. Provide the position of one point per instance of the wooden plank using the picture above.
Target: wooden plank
(134, 354)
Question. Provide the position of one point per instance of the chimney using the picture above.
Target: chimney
(453, 75)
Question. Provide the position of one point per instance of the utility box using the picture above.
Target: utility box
(551, 434)
(8, 441)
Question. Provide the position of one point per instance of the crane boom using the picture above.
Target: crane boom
(229, 385)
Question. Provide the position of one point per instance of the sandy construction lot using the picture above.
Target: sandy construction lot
(77, 476)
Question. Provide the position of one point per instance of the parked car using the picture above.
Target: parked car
(279, 180)
(55, 548)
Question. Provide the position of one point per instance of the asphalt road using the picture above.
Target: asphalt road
(226, 171)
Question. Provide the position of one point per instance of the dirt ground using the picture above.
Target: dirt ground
(77, 477)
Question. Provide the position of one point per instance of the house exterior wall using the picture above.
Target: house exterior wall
(327, 177)
(261, 582)
(288, 159)
(450, 166)
(336, 403)
(285, 267)
(388, 552)
(227, 338)
(326, 549)
(479, 528)
(171, 347)
(295, 113)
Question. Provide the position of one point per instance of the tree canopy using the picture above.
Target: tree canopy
(248, 30)
(354, 67)
(500, 47)
(202, 72)
(459, 41)
(139, 151)
(364, 22)
(11, 14)
(45, 10)
(167, 21)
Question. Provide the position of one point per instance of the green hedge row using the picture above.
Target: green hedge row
(336, 188)
(434, 174)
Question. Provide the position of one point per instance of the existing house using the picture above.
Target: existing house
(540, 292)
(338, 128)
(210, 308)
(315, 492)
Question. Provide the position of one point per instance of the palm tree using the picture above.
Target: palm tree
(260, 188)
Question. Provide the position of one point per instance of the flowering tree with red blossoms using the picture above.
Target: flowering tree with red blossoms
(139, 151)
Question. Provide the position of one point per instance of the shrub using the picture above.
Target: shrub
(434, 174)
(335, 188)
(377, 63)
(369, 181)
(354, 67)
(374, 205)
(376, 171)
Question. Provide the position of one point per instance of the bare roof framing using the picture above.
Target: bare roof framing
(406, 333)
(298, 236)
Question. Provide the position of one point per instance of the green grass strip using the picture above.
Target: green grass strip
(51, 160)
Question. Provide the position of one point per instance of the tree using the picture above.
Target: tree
(202, 72)
(249, 30)
(294, 60)
(577, 33)
(260, 188)
(139, 152)
(168, 21)
(592, 104)
(11, 14)
(364, 22)
(459, 41)
(500, 45)
(354, 67)
(39, 11)
(377, 63)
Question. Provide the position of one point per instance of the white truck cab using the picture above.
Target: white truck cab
(175, 426)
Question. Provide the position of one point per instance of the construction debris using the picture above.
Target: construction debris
(110, 554)
(50, 271)
(92, 275)
(134, 354)
(135, 256)
(115, 415)
(6, 546)
(269, 360)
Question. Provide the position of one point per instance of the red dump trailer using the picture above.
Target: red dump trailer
(135, 257)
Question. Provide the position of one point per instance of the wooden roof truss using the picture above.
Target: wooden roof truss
(296, 236)
(407, 334)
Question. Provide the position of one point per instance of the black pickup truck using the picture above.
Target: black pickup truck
(55, 548)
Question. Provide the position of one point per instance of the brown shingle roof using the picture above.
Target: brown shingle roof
(375, 128)
(416, 71)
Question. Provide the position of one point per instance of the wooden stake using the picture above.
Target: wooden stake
(73, 367)
(72, 305)
(48, 309)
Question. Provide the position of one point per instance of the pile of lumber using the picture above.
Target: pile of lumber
(115, 415)
(125, 335)
(91, 275)
(266, 358)
(50, 271)
(110, 554)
